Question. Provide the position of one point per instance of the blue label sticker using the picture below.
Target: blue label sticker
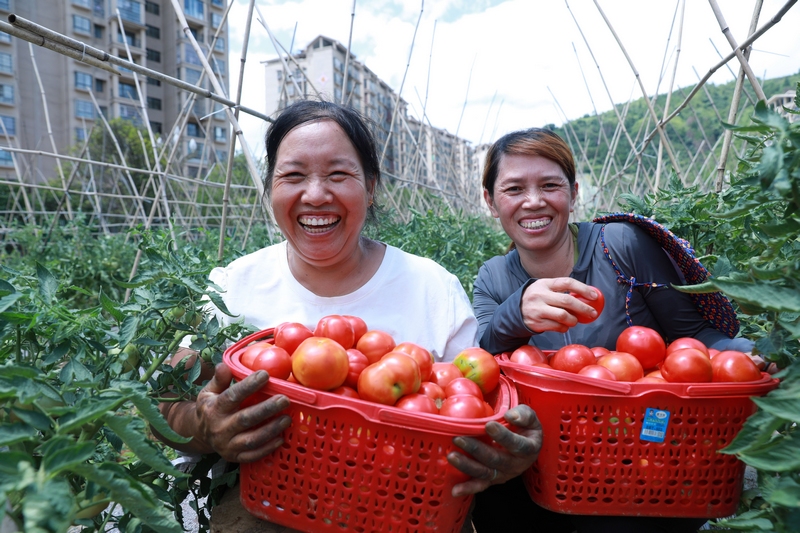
(654, 426)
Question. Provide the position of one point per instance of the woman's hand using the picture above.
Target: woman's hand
(240, 436)
(547, 305)
(490, 465)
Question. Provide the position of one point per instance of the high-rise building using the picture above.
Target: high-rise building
(416, 152)
(76, 93)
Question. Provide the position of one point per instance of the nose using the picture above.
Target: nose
(316, 191)
(533, 197)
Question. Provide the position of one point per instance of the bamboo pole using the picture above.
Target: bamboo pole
(682, 5)
(347, 54)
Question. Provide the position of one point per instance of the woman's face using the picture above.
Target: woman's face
(320, 195)
(532, 199)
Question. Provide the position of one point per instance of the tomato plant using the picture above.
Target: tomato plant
(375, 344)
(597, 304)
(386, 381)
(732, 365)
(688, 365)
(338, 328)
(623, 365)
(572, 357)
(644, 343)
(528, 355)
(320, 363)
(480, 366)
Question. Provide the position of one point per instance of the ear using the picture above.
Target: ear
(574, 195)
(488, 199)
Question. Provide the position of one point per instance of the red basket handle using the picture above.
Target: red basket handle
(756, 388)
(624, 388)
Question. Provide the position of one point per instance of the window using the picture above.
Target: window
(218, 66)
(81, 25)
(99, 8)
(219, 45)
(129, 112)
(153, 81)
(198, 35)
(84, 109)
(220, 133)
(80, 134)
(153, 55)
(6, 94)
(98, 31)
(190, 56)
(154, 32)
(193, 8)
(216, 20)
(156, 127)
(4, 37)
(222, 155)
(218, 3)
(9, 124)
(130, 38)
(193, 130)
(6, 64)
(130, 10)
(152, 8)
(83, 81)
(99, 85)
(104, 111)
(5, 159)
(191, 75)
(127, 90)
(82, 3)
(153, 103)
(4, 4)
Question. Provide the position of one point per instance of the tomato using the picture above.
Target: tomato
(732, 365)
(292, 379)
(624, 366)
(249, 354)
(686, 342)
(320, 363)
(434, 391)
(488, 410)
(375, 344)
(357, 362)
(572, 357)
(444, 373)
(644, 343)
(712, 352)
(418, 403)
(597, 371)
(344, 390)
(289, 335)
(480, 366)
(544, 365)
(423, 357)
(463, 406)
(275, 360)
(463, 386)
(654, 374)
(597, 304)
(688, 365)
(337, 328)
(600, 351)
(359, 326)
(528, 355)
(386, 381)
(651, 379)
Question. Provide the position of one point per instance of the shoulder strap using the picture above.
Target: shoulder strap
(714, 306)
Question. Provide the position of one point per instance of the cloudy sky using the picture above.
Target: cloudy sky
(516, 63)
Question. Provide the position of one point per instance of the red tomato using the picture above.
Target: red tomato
(464, 406)
(686, 342)
(712, 352)
(444, 373)
(688, 365)
(289, 335)
(651, 379)
(338, 328)
(488, 409)
(423, 357)
(292, 379)
(545, 365)
(344, 390)
(597, 304)
(624, 366)
(572, 357)
(480, 366)
(250, 353)
(600, 351)
(275, 360)
(418, 403)
(654, 374)
(645, 344)
(375, 344)
(732, 365)
(359, 326)
(528, 355)
(434, 391)
(391, 378)
(463, 386)
(320, 363)
(597, 371)
(357, 362)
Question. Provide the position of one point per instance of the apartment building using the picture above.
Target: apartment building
(77, 93)
(416, 151)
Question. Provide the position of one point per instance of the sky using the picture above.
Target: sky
(483, 68)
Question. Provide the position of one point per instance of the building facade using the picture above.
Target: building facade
(416, 153)
(76, 93)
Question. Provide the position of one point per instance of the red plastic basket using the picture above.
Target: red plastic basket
(594, 459)
(352, 465)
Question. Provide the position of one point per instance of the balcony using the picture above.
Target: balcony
(194, 9)
(130, 10)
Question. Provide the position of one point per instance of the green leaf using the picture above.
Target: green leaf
(16, 432)
(128, 329)
(10, 459)
(216, 298)
(766, 295)
(47, 283)
(786, 493)
(149, 411)
(74, 371)
(111, 308)
(749, 520)
(780, 455)
(131, 431)
(757, 431)
(786, 408)
(66, 458)
(86, 411)
(9, 300)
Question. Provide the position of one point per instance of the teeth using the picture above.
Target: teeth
(318, 221)
(534, 224)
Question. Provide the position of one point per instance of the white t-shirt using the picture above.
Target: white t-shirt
(412, 298)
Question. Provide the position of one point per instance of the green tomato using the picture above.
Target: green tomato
(91, 508)
(131, 358)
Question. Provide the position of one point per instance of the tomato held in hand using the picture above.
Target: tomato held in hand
(597, 371)
(423, 357)
(572, 357)
(480, 366)
(686, 342)
(275, 360)
(732, 365)
(598, 304)
(444, 373)
(528, 355)
(463, 406)
(688, 365)
(644, 343)
(359, 326)
(289, 335)
(338, 328)
(391, 378)
(417, 403)
(624, 366)
(320, 363)
(375, 344)
(357, 362)
(463, 386)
